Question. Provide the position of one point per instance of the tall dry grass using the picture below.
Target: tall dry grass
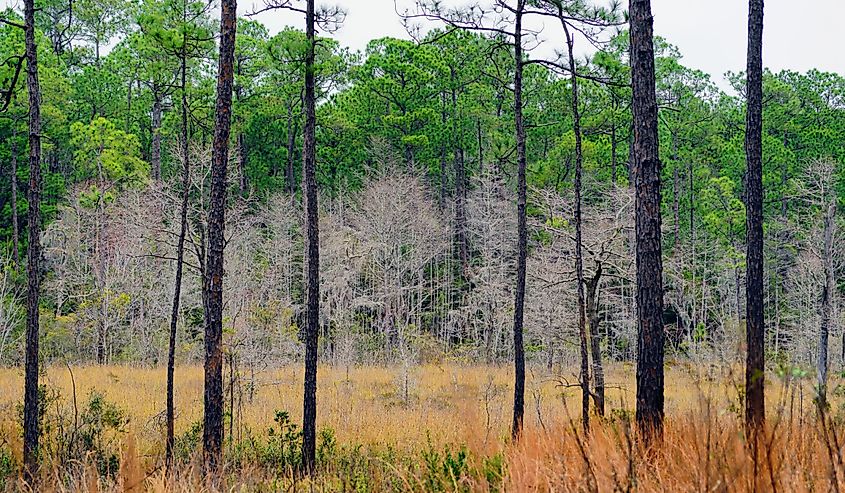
(446, 427)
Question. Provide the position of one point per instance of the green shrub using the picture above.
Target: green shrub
(7, 465)
(187, 444)
(444, 471)
(284, 444)
(494, 471)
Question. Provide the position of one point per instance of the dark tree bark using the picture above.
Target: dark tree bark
(443, 177)
(676, 208)
(592, 285)
(646, 164)
(213, 279)
(128, 122)
(480, 146)
(180, 255)
(155, 151)
(584, 373)
(827, 294)
(522, 231)
(691, 200)
(630, 162)
(313, 250)
(613, 151)
(30, 406)
(13, 179)
(242, 162)
(292, 130)
(781, 266)
(755, 328)
(460, 182)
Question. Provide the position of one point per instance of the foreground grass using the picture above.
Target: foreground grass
(427, 428)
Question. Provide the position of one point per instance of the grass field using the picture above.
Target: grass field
(425, 428)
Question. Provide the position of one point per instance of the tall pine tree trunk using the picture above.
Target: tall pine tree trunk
(213, 279)
(30, 406)
(522, 231)
(646, 171)
(313, 250)
(13, 179)
(584, 373)
(755, 329)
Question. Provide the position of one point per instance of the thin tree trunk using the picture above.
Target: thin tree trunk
(460, 183)
(781, 267)
(213, 427)
(755, 328)
(522, 232)
(155, 152)
(827, 294)
(691, 200)
(128, 121)
(30, 410)
(613, 153)
(584, 373)
(480, 147)
(13, 179)
(180, 252)
(631, 164)
(313, 251)
(443, 177)
(646, 162)
(242, 158)
(290, 175)
(676, 209)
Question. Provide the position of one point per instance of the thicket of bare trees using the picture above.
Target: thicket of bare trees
(388, 270)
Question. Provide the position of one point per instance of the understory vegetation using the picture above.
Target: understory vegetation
(448, 431)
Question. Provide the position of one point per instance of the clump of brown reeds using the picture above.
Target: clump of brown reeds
(701, 450)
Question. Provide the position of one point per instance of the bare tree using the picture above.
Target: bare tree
(10, 313)
(605, 228)
(819, 191)
(490, 219)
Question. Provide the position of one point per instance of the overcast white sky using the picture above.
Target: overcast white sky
(711, 34)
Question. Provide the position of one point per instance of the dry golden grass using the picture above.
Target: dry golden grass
(399, 418)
